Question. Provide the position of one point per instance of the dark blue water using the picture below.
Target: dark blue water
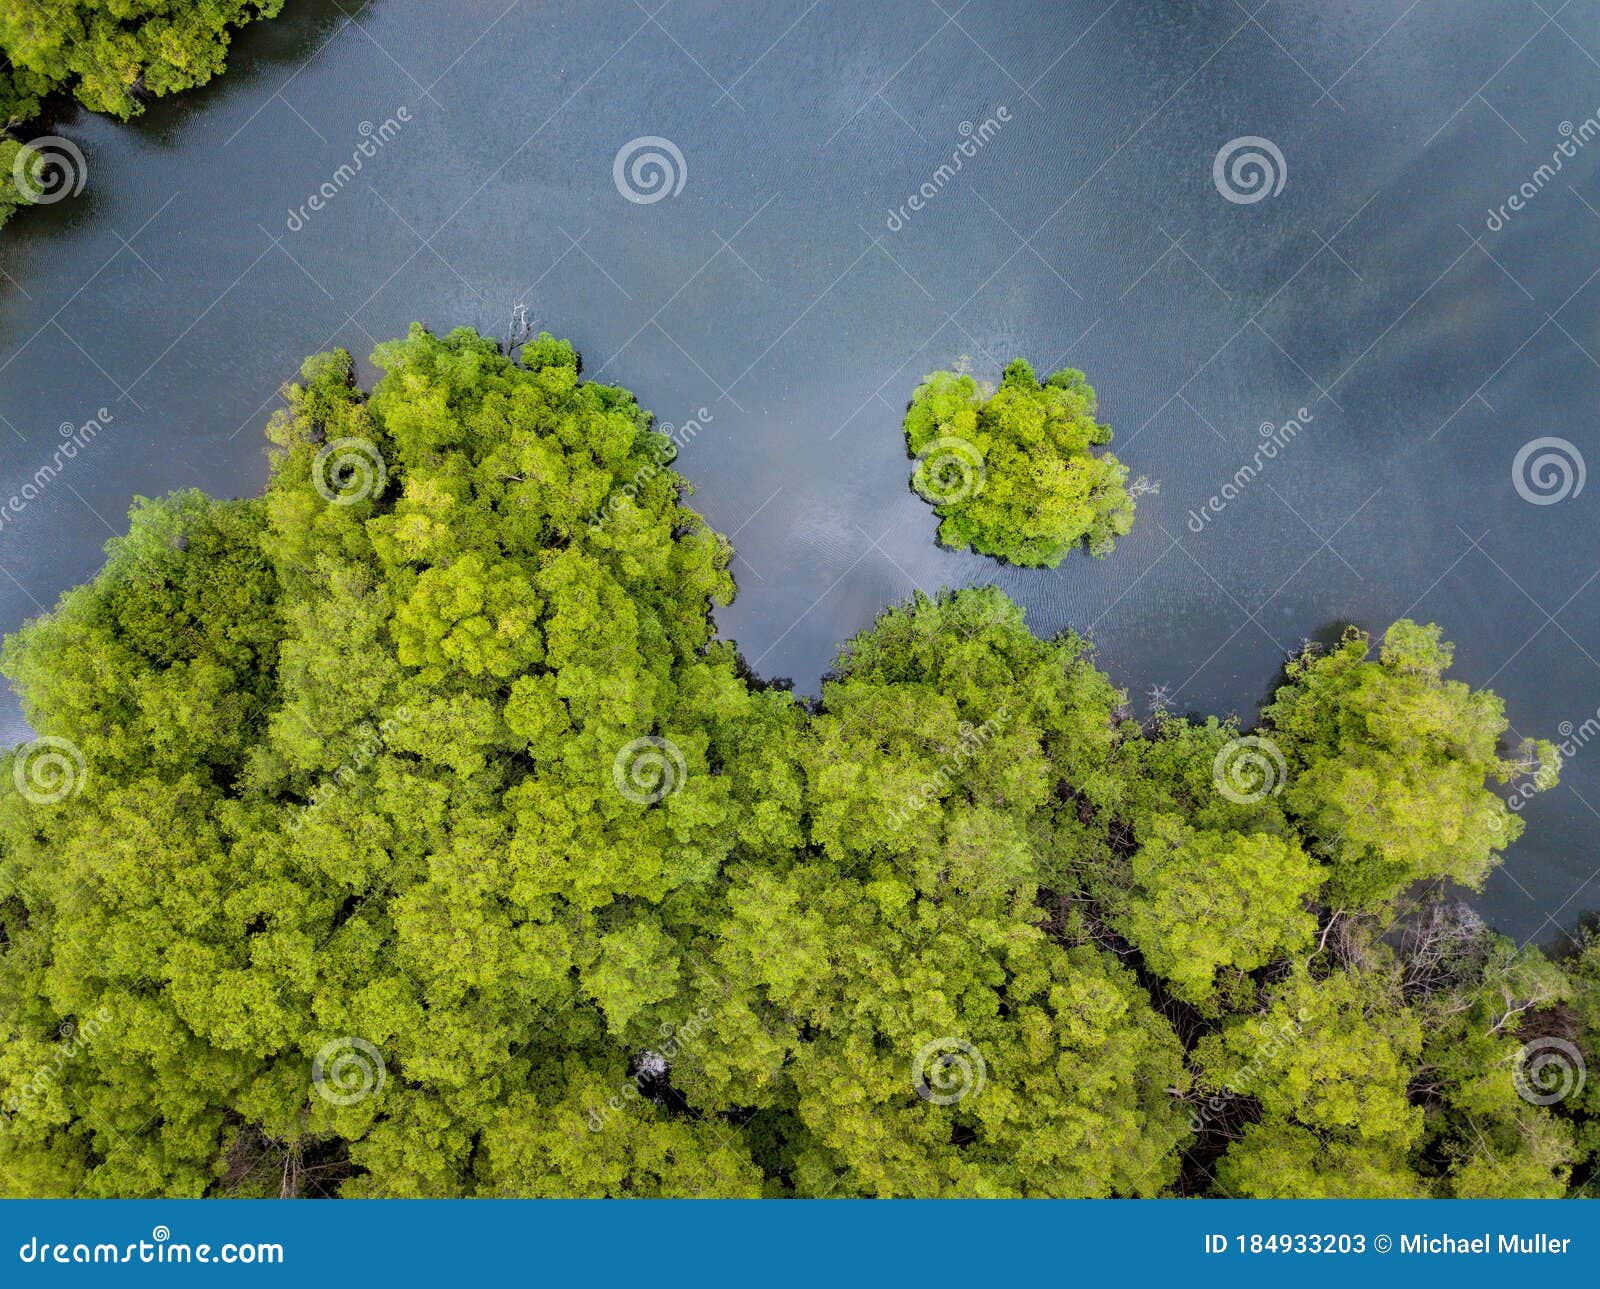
(1087, 229)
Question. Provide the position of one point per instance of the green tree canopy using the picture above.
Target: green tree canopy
(1011, 471)
(112, 55)
(1387, 763)
(408, 831)
(115, 53)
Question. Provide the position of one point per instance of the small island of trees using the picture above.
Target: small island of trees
(1011, 471)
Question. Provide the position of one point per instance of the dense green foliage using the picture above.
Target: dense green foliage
(1010, 471)
(1388, 761)
(407, 831)
(112, 55)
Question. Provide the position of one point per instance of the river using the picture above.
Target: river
(783, 282)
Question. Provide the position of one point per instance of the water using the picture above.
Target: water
(1086, 230)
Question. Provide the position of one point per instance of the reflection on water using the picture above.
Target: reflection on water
(758, 254)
